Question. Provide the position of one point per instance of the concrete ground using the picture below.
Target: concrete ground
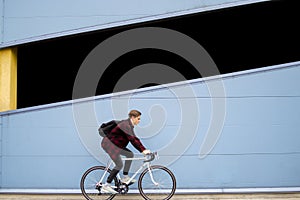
(250, 196)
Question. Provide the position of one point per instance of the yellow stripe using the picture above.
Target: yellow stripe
(8, 79)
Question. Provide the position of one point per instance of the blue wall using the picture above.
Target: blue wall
(31, 20)
(1, 21)
(258, 145)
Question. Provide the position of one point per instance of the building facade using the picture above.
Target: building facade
(218, 122)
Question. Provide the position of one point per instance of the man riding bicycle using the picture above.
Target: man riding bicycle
(115, 144)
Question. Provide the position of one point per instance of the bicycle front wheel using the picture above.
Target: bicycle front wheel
(92, 181)
(158, 182)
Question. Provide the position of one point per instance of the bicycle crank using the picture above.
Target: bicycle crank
(123, 188)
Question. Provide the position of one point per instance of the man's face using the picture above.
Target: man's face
(136, 120)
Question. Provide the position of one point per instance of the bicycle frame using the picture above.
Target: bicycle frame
(144, 165)
(152, 180)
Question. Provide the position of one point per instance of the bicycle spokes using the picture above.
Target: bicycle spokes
(90, 185)
(157, 182)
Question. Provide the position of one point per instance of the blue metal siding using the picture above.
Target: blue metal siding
(1, 20)
(46, 147)
(32, 20)
(0, 151)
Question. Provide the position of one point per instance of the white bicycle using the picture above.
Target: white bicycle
(155, 181)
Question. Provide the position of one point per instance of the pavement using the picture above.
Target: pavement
(247, 196)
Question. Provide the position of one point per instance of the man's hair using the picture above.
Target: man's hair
(134, 113)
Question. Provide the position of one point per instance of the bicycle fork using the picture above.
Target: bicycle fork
(151, 175)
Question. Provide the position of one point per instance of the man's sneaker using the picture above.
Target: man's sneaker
(106, 188)
(126, 178)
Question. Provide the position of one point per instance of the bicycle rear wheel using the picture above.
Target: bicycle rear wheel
(91, 183)
(157, 183)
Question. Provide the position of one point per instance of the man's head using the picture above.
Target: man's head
(135, 116)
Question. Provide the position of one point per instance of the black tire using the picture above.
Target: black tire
(166, 183)
(89, 181)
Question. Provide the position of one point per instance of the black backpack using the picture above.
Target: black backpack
(107, 127)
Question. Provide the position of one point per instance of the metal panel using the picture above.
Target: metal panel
(32, 20)
(46, 147)
(0, 151)
(1, 20)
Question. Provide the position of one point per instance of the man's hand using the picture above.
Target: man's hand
(146, 152)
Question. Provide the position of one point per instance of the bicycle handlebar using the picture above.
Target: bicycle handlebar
(152, 156)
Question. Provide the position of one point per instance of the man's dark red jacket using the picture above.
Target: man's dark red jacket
(119, 137)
